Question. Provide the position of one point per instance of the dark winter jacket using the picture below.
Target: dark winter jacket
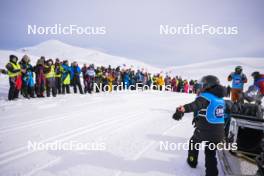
(84, 70)
(40, 76)
(207, 131)
(139, 77)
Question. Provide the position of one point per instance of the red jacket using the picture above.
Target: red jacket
(259, 82)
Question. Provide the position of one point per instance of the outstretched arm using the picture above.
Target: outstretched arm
(198, 104)
(3, 71)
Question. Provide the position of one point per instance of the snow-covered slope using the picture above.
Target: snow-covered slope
(57, 49)
(221, 68)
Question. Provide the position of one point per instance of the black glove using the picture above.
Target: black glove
(177, 115)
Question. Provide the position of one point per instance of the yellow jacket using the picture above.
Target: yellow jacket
(160, 81)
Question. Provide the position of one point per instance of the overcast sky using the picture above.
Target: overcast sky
(133, 27)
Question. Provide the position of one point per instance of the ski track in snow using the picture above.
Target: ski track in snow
(139, 154)
(125, 121)
(62, 137)
(35, 123)
(110, 129)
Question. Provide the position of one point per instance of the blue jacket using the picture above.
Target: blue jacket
(28, 76)
(65, 71)
(126, 80)
(75, 71)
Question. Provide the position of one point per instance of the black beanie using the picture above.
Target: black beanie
(11, 57)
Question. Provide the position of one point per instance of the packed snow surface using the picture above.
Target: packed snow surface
(131, 125)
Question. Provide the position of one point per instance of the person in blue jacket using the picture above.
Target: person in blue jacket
(209, 123)
(66, 77)
(76, 82)
(126, 80)
(238, 80)
(27, 77)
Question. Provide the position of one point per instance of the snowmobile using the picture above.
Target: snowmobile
(245, 128)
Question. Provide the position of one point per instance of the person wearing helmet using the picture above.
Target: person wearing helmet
(255, 92)
(14, 73)
(238, 80)
(259, 81)
(209, 123)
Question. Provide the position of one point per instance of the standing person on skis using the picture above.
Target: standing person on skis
(14, 73)
(238, 80)
(76, 70)
(209, 121)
